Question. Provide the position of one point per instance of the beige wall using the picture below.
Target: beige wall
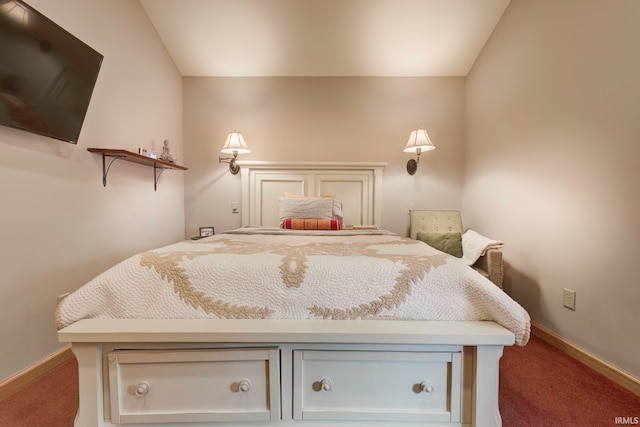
(323, 119)
(552, 162)
(58, 226)
(553, 165)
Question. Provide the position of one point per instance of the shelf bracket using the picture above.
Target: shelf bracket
(105, 167)
(156, 175)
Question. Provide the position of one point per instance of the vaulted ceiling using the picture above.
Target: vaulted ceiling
(324, 37)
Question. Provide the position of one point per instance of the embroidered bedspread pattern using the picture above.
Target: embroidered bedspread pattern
(246, 275)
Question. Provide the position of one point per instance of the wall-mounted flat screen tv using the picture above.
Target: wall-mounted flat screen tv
(47, 75)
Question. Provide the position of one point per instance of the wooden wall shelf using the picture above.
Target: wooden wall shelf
(158, 165)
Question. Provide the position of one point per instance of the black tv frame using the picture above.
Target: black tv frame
(21, 115)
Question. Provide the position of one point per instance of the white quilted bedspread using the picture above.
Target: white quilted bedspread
(295, 275)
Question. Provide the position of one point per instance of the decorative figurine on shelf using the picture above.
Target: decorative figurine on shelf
(166, 156)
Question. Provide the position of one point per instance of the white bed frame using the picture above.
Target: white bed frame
(286, 373)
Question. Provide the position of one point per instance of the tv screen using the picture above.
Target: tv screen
(47, 75)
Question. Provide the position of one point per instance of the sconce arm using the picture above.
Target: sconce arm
(234, 167)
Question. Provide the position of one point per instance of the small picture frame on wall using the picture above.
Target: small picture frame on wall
(207, 231)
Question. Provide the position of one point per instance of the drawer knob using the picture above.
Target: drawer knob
(325, 385)
(244, 386)
(426, 387)
(142, 388)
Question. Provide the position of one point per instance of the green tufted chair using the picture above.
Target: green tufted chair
(433, 221)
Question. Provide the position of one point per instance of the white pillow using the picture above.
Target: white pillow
(337, 210)
(312, 207)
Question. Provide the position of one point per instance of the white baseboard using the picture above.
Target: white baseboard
(24, 377)
(610, 371)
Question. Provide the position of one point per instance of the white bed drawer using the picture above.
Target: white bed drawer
(194, 385)
(365, 385)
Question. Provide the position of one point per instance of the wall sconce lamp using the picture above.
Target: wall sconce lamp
(418, 142)
(234, 145)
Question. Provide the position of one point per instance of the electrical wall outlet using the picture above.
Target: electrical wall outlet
(569, 298)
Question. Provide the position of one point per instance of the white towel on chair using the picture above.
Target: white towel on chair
(474, 245)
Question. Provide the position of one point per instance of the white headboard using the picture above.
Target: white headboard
(359, 185)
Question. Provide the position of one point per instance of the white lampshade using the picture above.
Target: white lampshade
(235, 144)
(418, 142)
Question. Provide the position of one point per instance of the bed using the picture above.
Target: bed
(265, 326)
